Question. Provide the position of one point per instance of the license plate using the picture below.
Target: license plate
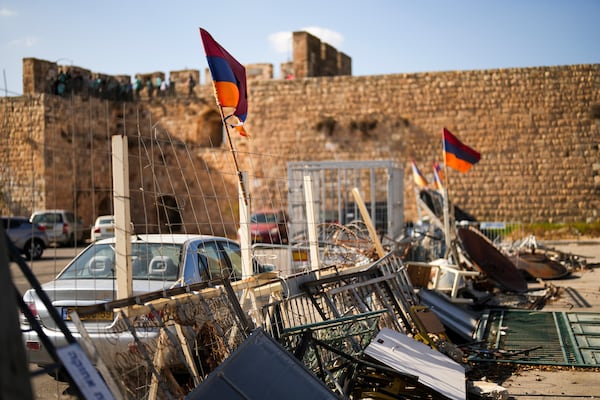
(98, 316)
(299, 255)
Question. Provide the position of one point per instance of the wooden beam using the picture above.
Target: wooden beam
(312, 224)
(367, 219)
(120, 163)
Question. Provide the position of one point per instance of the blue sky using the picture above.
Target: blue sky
(381, 36)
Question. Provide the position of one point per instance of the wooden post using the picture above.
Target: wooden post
(367, 218)
(313, 242)
(120, 163)
(245, 242)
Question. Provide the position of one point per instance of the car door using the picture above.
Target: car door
(215, 262)
(11, 226)
(18, 233)
(233, 255)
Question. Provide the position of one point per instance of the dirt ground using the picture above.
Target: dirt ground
(564, 383)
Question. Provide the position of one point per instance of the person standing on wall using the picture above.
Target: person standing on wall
(191, 84)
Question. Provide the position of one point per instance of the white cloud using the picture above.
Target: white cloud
(5, 12)
(326, 35)
(24, 42)
(281, 42)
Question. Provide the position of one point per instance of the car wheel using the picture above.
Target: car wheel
(34, 249)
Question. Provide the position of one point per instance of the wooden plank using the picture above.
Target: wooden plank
(367, 219)
(158, 365)
(185, 345)
(88, 345)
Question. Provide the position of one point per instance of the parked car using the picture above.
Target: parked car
(269, 226)
(104, 227)
(30, 239)
(158, 262)
(61, 226)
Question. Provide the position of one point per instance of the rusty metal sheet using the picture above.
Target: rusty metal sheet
(539, 266)
(498, 268)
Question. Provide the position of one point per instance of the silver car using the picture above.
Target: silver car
(30, 239)
(158, 262)
(62, 226)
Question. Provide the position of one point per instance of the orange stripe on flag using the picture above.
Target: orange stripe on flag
(457, 163)
(227, 93)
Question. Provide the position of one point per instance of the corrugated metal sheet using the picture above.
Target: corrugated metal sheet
(539, 337)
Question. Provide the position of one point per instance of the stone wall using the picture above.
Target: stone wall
(538, 130)
(22, 180)
(58, 154)
(535, 128)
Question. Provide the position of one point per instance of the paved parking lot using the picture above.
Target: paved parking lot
(584, 295)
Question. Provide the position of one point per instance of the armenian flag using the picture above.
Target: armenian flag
(229, 79)
(458, 155)
(438, 176)
(420, 180)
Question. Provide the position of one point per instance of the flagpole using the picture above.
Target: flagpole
(233, 154)
(445, 199)
(245, 242)
(229, 71)
(416, 189)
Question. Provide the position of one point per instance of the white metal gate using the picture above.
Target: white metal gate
(379, 182)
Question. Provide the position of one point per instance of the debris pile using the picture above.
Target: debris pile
(363, 326)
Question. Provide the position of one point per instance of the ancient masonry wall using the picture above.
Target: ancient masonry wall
(22, 179)
(538, 130)
(57, 154)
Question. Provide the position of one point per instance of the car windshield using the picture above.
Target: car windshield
(150, 261)
(264, 218)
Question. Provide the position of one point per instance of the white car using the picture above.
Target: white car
(103, 228)
(158, 262)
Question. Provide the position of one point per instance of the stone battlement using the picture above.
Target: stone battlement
(312, 58)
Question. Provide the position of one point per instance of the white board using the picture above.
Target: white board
(406, 355)
(82, 371)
